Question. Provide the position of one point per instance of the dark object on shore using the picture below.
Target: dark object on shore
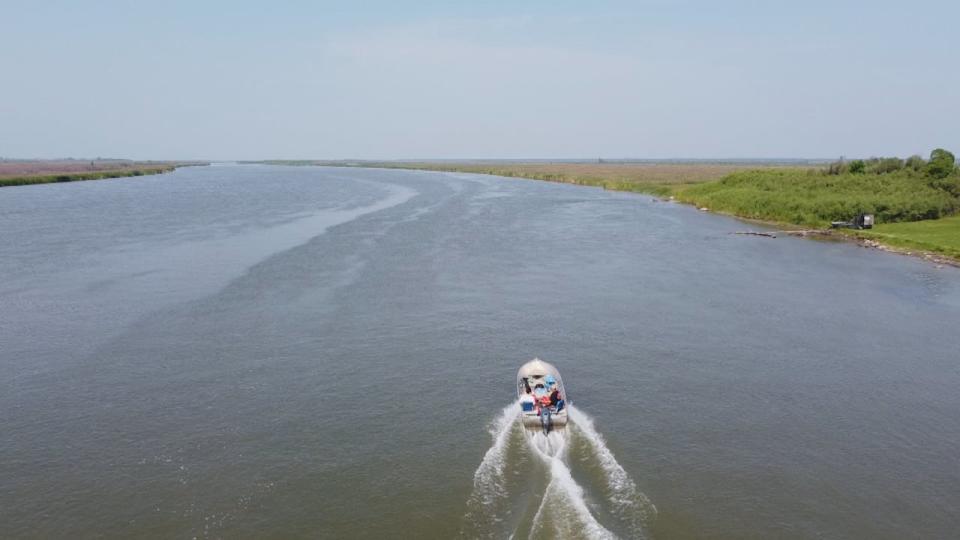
(754, 233)
(861, 221)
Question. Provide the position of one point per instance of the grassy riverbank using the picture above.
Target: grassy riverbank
(940, 236)
(22, 173)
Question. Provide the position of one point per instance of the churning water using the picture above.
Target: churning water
(525, 485)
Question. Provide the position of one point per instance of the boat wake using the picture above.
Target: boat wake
(527, 485)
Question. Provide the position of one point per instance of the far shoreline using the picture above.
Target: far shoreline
(56, 175)
(664, 192)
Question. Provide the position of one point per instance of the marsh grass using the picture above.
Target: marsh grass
(38, 173)
(76, 177)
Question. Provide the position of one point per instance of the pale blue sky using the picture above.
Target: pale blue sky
(545, 79)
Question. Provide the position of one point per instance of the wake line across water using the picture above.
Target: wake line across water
(525, 485)
(627, 501)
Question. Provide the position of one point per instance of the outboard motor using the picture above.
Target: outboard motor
(545, 420)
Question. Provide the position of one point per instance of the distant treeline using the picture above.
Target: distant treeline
(940, 165)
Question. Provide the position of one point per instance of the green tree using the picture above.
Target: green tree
(915, 163)
(941, 163)
(857, 166)
(886, 165)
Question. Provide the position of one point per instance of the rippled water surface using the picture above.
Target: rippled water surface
(250, 351)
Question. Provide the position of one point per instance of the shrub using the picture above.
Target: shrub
(857, 166)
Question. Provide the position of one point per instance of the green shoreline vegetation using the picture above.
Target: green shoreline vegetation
(916, 201)
(79, 176)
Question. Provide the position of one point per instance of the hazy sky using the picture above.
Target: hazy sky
(392, 79)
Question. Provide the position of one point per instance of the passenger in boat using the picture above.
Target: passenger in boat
(556, 399)
(543, 402)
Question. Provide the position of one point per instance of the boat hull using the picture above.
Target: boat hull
(533, 420)
(530, 378)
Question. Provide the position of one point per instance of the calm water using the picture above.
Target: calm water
(252, 351)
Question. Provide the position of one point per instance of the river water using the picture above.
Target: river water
(256, 351)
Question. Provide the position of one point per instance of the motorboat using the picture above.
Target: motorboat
(536, 382)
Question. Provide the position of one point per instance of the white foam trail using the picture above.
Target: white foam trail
(488, 479)
(562, 487)
(488, 503)
(628, 502)
(563, 512)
